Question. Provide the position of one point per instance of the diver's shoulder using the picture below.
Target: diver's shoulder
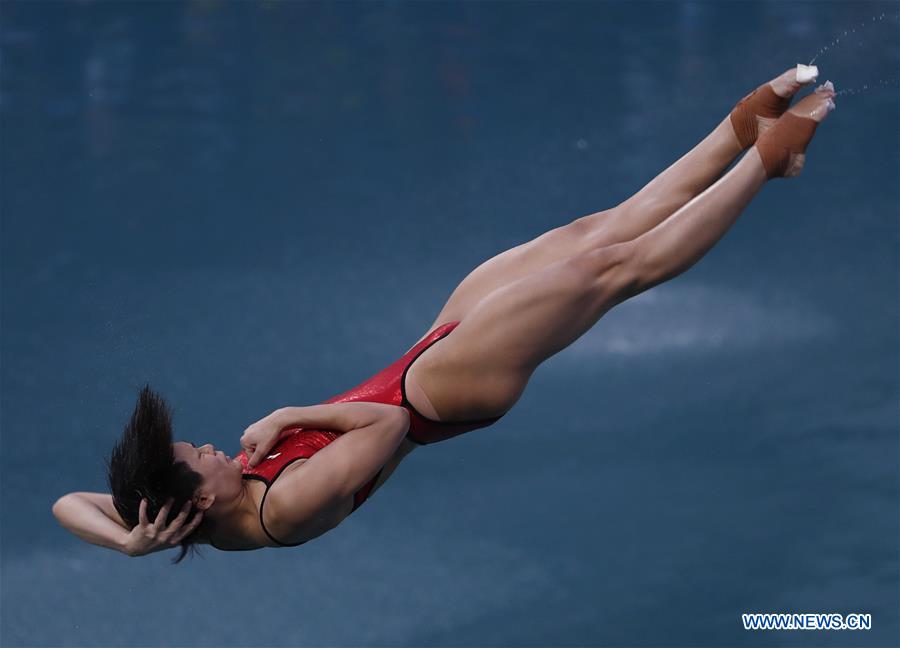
(245, 534)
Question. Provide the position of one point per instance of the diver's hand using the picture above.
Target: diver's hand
(148, 537)
(259, 438)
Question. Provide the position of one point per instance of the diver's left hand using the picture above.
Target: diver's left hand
(148, 537)
(260, 437)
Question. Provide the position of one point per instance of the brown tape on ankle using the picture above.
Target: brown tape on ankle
(762, 102)
(791, 134)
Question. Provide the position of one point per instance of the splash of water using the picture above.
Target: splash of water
(863, 25)
(881, 83)
(860, 39)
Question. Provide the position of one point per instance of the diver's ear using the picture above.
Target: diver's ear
(205, 501)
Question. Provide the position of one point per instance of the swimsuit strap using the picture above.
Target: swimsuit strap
(263, 524)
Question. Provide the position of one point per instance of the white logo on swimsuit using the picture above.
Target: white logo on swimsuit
(273, 456)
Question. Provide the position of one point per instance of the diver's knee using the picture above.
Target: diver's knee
(615, 271)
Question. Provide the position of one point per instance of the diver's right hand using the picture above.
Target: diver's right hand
(148, 537)
(260, 437)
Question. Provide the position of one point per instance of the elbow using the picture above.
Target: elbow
(60, 505)
(394, 418)
(403, 422)
(63, 506)
(404, 418)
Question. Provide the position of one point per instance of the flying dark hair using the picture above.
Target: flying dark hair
(143, 465)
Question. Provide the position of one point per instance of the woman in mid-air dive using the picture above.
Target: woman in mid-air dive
(302, 470)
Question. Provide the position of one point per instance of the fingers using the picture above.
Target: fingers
(247, 446)
(159, 535)
(250, 451)
(163, 515)
(175, 533)
(142, 513)
(247, 441)
(187, 530)
(179, 520)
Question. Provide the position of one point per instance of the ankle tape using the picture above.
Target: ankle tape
(762, 102)
(790, 134)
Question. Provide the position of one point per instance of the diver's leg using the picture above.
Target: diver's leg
(667, 192)
(661, 197)
(481, 369)
(698, 168)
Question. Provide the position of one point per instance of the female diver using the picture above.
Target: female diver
(302, 470)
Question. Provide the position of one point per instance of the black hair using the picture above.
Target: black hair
(143, 465)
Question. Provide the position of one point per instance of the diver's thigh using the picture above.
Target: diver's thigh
(515, 263)
(490, 355)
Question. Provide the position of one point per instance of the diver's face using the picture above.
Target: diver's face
(221, 475)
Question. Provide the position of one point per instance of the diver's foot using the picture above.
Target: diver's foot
(782, 147)
(758, 111)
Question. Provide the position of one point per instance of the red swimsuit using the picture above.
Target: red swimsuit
(387, 386)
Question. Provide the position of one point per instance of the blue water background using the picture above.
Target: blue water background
(253, 205)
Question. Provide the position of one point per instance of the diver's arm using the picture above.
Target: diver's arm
(346, 464)
(93, 517)
(88, 516)
(340, 417)
(262, 436)
(312, 499)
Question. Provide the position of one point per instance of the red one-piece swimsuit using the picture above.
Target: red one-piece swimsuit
(387, 386)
